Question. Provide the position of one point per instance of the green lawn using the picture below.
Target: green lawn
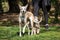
(10, 33)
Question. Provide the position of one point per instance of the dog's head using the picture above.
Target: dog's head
(23, 9)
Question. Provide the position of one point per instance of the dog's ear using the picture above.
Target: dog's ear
(26, 5)
(19, 5)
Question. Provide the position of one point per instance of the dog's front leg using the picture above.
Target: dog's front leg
(20, 29)
(20, 26)
(25, 24)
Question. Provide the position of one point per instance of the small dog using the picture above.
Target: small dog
(23, 18)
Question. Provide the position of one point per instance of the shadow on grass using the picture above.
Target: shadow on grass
(12, 32)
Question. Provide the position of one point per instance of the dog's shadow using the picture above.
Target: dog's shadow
(23, 33)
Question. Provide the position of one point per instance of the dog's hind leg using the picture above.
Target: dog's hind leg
(28, 29)
(25, 27)
(32, 27)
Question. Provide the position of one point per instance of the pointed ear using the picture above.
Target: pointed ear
(19, 5)
(26, 5)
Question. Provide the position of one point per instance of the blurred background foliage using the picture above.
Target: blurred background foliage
(11, 6)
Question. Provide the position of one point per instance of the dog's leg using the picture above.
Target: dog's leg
(20, 24)
(38, 28)
(20, 29)
(32, 27)
(25, 27)
(25, 24)
(38, 25)
(34, 30)
(28, 29)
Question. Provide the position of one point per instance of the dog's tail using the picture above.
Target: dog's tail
(40, 20)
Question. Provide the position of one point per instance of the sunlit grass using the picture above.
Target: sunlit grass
(10, 33)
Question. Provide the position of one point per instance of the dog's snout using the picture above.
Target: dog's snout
(23, 11)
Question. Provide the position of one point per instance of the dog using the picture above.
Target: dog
(24, 16)
(37, 25)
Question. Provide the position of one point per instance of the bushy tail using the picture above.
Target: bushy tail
(40, 20)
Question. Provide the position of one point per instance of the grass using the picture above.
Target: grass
(10, 33)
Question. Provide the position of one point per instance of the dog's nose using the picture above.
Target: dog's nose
(23, 11)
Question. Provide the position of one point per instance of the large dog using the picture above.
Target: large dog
(27, 18)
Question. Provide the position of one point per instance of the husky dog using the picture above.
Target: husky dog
(24, 16)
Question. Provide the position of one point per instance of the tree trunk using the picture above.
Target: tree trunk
(1, 10)
(13, 6)
(57, 11)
